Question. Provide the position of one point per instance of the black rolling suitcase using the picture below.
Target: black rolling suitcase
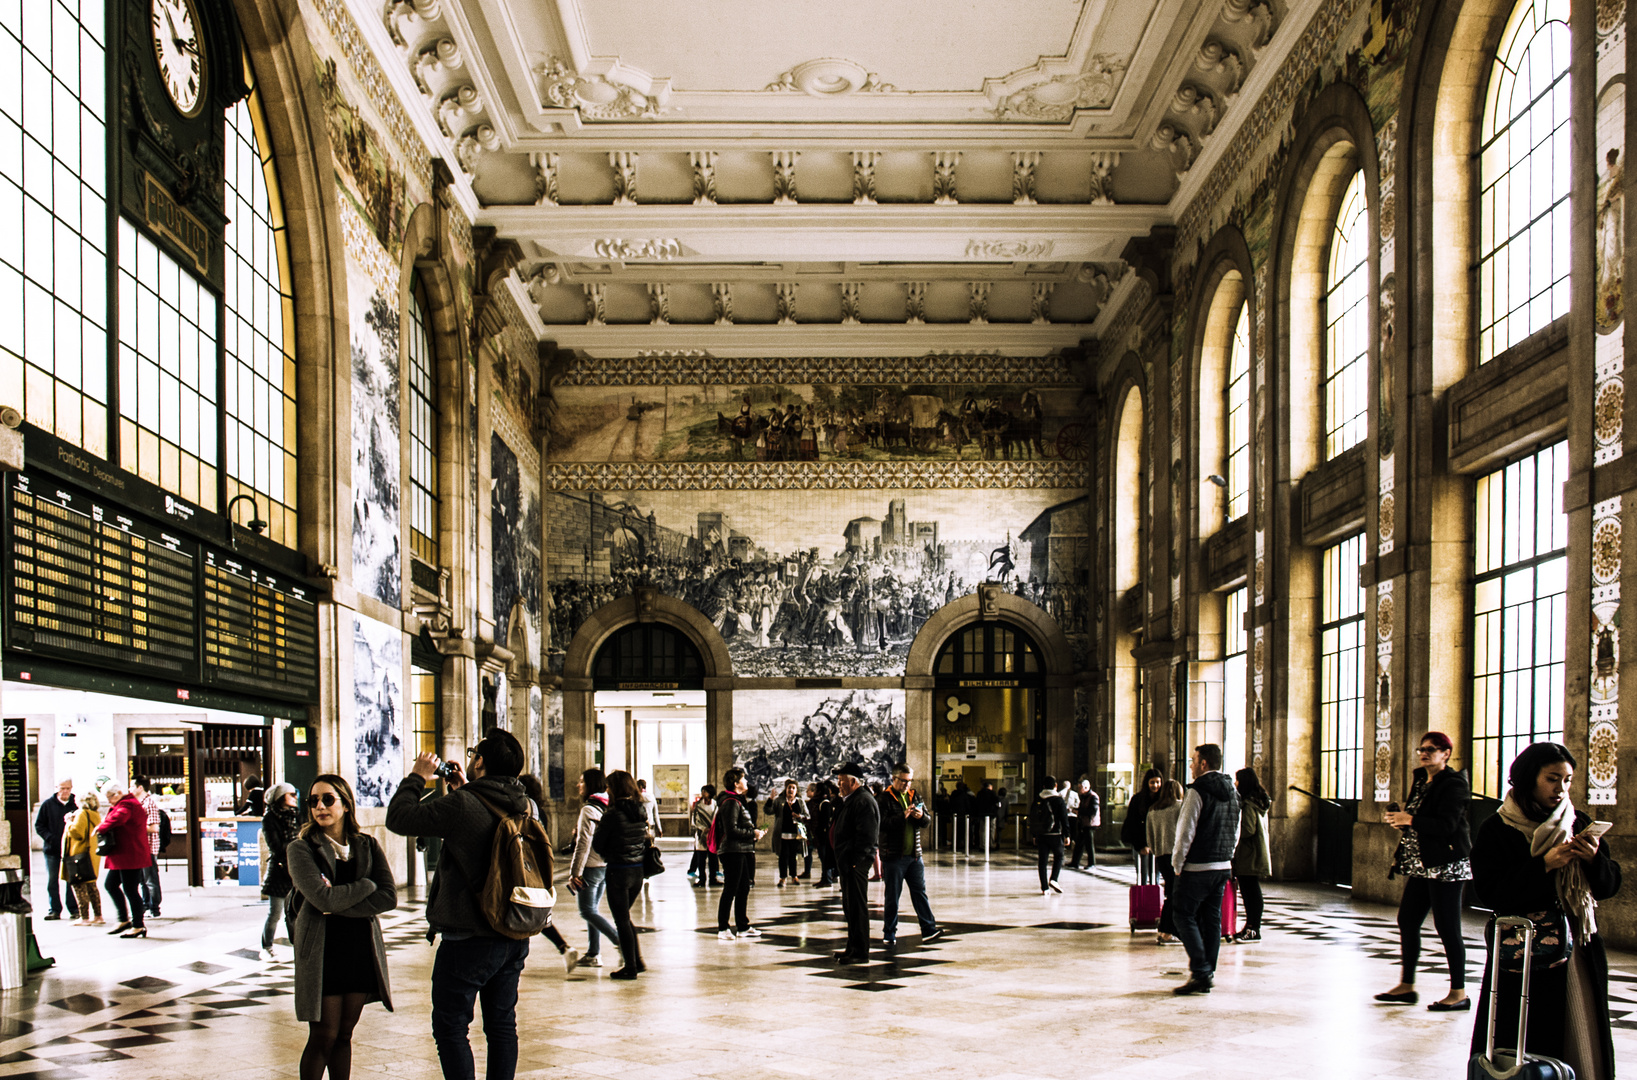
(1518, 1065)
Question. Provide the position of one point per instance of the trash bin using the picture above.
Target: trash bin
(14, 912)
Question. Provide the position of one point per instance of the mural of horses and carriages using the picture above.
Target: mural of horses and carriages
(817, 422)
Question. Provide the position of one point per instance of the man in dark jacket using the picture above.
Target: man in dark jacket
(855, 834)
(986, 804)
(1207, 833)
(473, 959)
(48, 826)
(903, 816)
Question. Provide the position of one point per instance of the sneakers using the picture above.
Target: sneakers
(571, 960)
(750, 931)
(1248, 935)
(266, 956)
(591, 961)
(932, 935)
(725, 935)
(1053, 886)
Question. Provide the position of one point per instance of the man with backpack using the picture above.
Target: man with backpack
(475, 959)
(1048, 821)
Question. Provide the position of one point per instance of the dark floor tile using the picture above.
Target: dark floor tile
(132, 1040)
(872, 986)
(231, 1003)
(248, 954)
(203, 968)
(16, 1056)
(139, 1014)
(63, 1040)
(150, 983)
(91, 1058)
(48, 1074)
(84, 1004)
(269, 992)
(166, 1028)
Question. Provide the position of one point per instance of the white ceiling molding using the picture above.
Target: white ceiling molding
(807, 233)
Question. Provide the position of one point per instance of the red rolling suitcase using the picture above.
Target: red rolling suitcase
(1518, 1064)
(1146, 898)
(1230, 910)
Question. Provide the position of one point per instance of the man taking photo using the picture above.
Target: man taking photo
(473, 958)
(903, 816)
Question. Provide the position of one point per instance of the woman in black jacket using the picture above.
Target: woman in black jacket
(1134, 831)
(736, 835)
(789, 814)
(1432, 857)
(278, 829)
(1534, 858)
(622, 834)
(824, 815)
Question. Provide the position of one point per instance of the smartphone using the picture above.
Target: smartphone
(1596, 829)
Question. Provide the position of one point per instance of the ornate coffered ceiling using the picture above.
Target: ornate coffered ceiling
(818, 164)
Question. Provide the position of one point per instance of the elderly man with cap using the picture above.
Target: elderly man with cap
(855, 834)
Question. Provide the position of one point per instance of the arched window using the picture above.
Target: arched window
(1237, 409)
(259, 404)
(1347, 323)
(1341, 672)
(1523, 178)
(648, 652)
(423, 429)
(989, 649)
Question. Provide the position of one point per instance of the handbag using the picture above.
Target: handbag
(652, 864)
(105, 844)
(1553, 943)
(77, 869)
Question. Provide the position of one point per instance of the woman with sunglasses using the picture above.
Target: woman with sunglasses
(1433, 858)
(344, 882)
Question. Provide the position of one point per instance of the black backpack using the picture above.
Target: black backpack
(164, 831)
(1042, 822)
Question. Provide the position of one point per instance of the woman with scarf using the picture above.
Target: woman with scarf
(278, 830)
(1432, 858)
(1533, 858)
(1134, 831)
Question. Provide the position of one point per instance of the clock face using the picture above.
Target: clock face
(177, 48)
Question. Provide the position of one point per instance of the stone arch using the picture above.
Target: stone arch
(1225, 281)
(1057, 659)
(645, 605)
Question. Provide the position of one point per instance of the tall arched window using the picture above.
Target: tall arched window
(423, 429)
(1237, 409)
(1523, 166)
(259, 331)
(1347, 324)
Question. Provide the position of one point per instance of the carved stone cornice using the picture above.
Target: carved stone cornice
(814, 475)
(700, 369)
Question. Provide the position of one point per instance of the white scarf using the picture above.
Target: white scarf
(1573, 891)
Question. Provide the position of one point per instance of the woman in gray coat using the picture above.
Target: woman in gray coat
(344, 882)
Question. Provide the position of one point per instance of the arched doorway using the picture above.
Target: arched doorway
(646, 687)
(1009, 664)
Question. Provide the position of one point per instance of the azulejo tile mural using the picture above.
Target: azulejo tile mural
(803, 734)
(832, 584)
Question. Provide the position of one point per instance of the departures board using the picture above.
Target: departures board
(93, 583)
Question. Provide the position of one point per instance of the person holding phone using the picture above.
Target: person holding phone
(1432, 857)
(1539, 857)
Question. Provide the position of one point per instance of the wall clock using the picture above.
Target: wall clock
(177, 49)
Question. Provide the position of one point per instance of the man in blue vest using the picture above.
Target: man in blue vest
(1207, 831)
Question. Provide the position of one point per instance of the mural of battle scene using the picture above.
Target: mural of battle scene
(815, 583)
(514, 517)
(816, 422)
(803, 734)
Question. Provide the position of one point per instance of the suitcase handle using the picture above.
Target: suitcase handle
(1146, 873)
(1528, 928)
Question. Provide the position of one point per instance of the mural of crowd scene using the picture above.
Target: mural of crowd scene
(803, 734)
(377, 709)
(816, 422)
(514, 516)
(815, 583)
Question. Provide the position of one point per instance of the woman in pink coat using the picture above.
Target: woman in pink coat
(127, 823)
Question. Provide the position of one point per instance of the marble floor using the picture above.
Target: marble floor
(1022, 986)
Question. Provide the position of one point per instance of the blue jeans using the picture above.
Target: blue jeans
(53, 870)
(151, 894)
(1196, 908)
(596, 923)
(465, 971)
(895, 874)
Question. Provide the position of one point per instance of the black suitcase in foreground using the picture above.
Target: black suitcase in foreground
(1507, 1065)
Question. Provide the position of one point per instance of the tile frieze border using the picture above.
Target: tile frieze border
(814, 475)
(683, 369)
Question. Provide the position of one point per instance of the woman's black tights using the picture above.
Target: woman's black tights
(329, 1040)
(1250, 890)
(1443, 899)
